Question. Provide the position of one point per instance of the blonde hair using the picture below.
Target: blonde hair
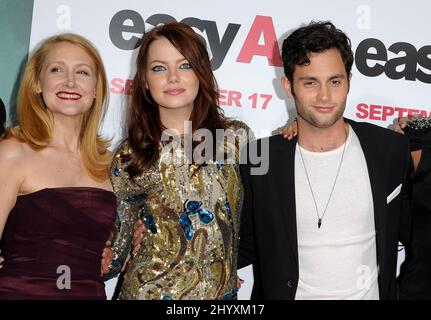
(35, 122)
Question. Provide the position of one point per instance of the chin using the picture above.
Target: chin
(71, 113)
(323, 123)
(176, 106)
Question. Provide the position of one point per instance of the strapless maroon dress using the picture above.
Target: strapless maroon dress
(53, 243)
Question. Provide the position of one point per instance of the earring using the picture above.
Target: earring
(38, 91)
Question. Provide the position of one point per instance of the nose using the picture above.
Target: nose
(70, 80)
(173, 76)
(324, 93)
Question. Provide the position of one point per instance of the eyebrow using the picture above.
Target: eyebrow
(164, 62)
(337, 76)
(62, 62)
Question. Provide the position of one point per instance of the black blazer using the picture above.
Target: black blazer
(268, 237)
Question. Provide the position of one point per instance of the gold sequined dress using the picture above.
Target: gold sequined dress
(192, 215)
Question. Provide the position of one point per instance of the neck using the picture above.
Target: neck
(174, 118)
(317, 139)
(66, 133)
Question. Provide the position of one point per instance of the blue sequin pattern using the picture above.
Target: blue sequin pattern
(193, 207)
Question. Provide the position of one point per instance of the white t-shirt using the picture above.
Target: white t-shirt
(337, 261)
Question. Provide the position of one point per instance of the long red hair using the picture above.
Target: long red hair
(144, 125)
(36, 126)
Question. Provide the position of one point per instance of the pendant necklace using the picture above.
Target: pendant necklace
(320, 217)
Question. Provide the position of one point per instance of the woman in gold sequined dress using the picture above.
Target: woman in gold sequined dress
(191, 209)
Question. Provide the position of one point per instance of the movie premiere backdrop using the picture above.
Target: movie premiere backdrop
(391, 42)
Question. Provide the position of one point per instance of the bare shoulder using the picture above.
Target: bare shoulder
(15, 156)
(14, 151)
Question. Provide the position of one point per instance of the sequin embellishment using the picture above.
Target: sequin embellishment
(193, 207)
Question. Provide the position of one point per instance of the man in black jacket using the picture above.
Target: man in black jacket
(325, 220)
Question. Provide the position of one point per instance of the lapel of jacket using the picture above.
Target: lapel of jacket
(286, 163)
(371, 151)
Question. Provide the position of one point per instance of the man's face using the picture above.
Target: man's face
(320, 89)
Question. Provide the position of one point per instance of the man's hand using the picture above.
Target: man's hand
(138, 234)
(239, 282)
(107, 255)
(398, 127)
(290, 130)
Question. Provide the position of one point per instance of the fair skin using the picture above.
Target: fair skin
(68, 83)
(169, 70)
(172, 82)
(174, 86)
(320, 91)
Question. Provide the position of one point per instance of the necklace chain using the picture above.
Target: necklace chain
(320, 218)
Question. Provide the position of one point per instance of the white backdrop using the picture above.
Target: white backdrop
(391, 42)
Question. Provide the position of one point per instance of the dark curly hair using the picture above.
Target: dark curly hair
(314, 37)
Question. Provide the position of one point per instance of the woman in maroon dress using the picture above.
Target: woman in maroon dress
(56, 202)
